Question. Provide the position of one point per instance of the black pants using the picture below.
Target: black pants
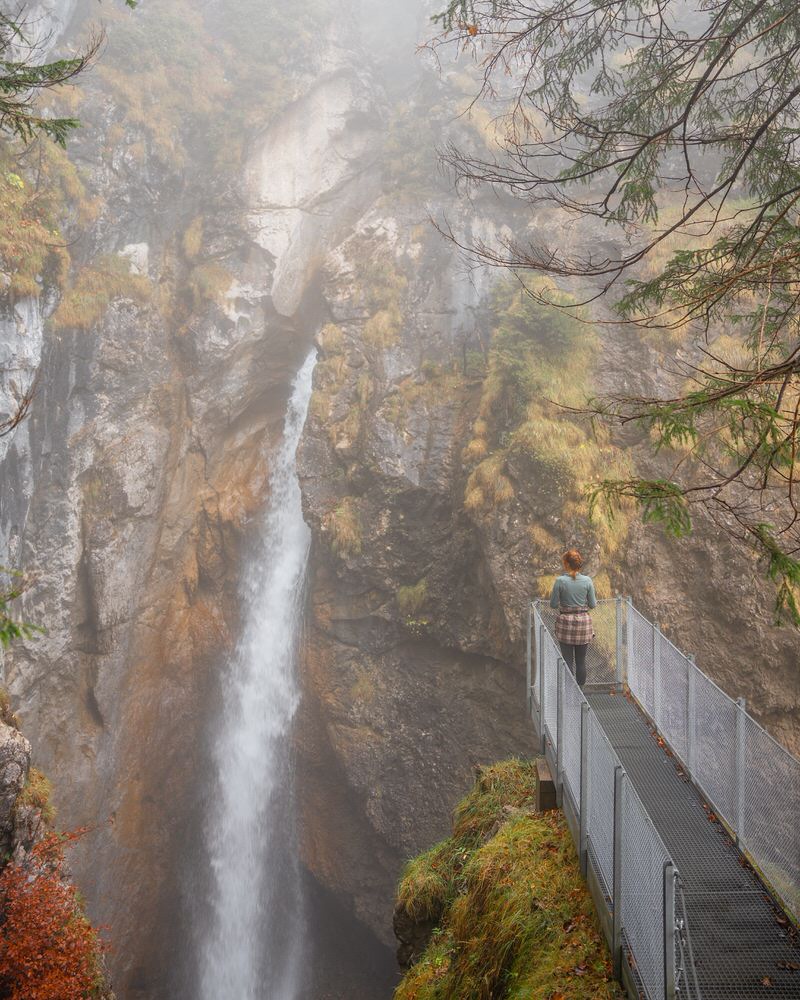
(576, 660)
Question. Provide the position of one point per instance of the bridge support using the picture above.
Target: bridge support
(670, 877)
(528, 675)
(540, 648)
(657, 675)
(562, 666)
(630, 652)
(616, 926)
(741, 761)
(691, 718)
(620, 675)
(583, 842)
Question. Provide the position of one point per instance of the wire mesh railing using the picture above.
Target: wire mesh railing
(613, 832)
(749, 780)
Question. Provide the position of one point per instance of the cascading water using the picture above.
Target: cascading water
(253, 949)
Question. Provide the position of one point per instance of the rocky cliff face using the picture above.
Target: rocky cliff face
(414, 664)
(414, 661)
(132, 488)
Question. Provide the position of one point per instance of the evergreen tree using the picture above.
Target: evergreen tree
(24, 76)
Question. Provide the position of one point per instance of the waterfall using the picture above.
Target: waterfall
(253, 948)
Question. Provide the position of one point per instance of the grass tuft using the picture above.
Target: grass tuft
(426, 883)
(343, 525)
(411, 599)
(488, 486)
(38, 793)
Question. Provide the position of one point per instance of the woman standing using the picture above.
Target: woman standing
(573, 596)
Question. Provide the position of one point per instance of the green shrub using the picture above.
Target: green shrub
(411, 599)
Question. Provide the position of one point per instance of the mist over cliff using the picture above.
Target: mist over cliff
(253, 183)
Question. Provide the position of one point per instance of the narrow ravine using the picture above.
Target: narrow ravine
(254, 945)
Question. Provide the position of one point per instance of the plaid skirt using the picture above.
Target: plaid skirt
(574, 625)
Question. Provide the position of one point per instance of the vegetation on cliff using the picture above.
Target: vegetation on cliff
(683, 144)
(48, 949)
(503, 899)
(539, 356)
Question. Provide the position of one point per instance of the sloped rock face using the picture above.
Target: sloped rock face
(411, 670)
(414, 664)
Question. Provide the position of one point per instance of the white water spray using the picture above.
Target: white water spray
(254, 946)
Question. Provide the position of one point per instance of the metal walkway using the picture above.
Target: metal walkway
(686, 915)
(741, 951)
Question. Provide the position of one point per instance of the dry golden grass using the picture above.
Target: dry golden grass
(85, 302)
(193, 238)
(343, 526)
(488, 487)
(38, 793)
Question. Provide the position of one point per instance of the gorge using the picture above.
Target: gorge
(246, 207)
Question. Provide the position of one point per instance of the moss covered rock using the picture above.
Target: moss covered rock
(500, 910)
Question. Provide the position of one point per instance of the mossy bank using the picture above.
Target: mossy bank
(499, 910)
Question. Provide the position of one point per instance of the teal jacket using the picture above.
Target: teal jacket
(569, 593)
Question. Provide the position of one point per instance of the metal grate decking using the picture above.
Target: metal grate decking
(743, 947)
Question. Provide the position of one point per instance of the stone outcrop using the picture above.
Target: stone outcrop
(15, 762)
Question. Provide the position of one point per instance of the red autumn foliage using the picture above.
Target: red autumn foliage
(48, 949)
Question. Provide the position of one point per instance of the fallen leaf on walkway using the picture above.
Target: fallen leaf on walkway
(781, 920)
(712, 817)
(766, 981)
(789, 966)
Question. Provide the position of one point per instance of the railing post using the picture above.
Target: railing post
(740, 770)
(528, 674)
(583, 839)
(670, 875)
(657, 675)
(629, 651)
(616, 925)
(691, 720)
(562, 666)
(542, 744)
(619, 672)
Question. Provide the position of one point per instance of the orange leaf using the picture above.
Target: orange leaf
(472, 29)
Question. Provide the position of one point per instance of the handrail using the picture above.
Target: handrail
(608, 829)
(744, 774)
